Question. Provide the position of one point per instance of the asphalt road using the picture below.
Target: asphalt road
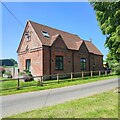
(14, 104)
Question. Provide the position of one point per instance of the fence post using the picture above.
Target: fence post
(91, 73)
(13, 72)
(41, 80)
(38, 81)
(71, 76)
(105, 72)
(58, 78)
(18, 85)
(110, 72)
(82, 75)
(99, 73)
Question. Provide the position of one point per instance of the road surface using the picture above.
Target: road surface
(18, 103)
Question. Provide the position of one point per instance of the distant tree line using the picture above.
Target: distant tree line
(8, 62)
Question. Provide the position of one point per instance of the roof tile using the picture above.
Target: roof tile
(72, 41)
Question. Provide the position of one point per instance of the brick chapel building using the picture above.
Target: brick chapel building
(44, 50)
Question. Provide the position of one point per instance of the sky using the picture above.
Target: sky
(74, 17)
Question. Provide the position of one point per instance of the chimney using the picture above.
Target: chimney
(90, 39)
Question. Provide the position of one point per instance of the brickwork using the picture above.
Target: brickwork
(71, 59)
(34, 52)
(43, 55)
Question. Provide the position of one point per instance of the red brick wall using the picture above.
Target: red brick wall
(34, 41)
(82, 53)
(60, 49)
(46, 60)
(35, 56)
(41, 59)
(36, 62)
(96, 62)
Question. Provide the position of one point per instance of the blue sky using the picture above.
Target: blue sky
(78, 18)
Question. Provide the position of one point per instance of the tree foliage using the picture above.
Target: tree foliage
(7, 62)
(108, 17)
(111, 61)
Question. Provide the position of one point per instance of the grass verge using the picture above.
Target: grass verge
(33, 86)
(104, 105)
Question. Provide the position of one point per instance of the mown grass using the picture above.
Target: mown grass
(34, 86)
(104, 105)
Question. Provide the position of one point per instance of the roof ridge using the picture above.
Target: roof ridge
(86, 40)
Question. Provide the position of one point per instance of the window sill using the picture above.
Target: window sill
(59, 69)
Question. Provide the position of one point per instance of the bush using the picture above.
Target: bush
(27, 76)
(8, 73)
(20, 73)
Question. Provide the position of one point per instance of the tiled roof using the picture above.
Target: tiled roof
(72, 41)
(92, 48)
(54, 38)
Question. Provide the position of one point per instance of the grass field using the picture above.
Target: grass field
(104, 105)
(33, 85)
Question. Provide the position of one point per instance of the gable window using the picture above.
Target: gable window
(83, 63)
(28, 64)
(28, 35)
(28, 38)
(59, 62)
(45, 34)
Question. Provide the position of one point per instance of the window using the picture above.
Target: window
(28, 64)
(59, 62)
(83, 63)
(45, 34)
(28, 35)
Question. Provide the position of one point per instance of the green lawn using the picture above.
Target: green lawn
(104, 105)
(33, 85)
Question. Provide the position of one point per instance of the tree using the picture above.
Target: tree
(111, 61)
(108, 17)
(7, 62)
(12, 60)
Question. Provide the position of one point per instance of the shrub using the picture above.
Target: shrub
(8, 73)
(27, 72)
(20, 73)
(27, 76)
